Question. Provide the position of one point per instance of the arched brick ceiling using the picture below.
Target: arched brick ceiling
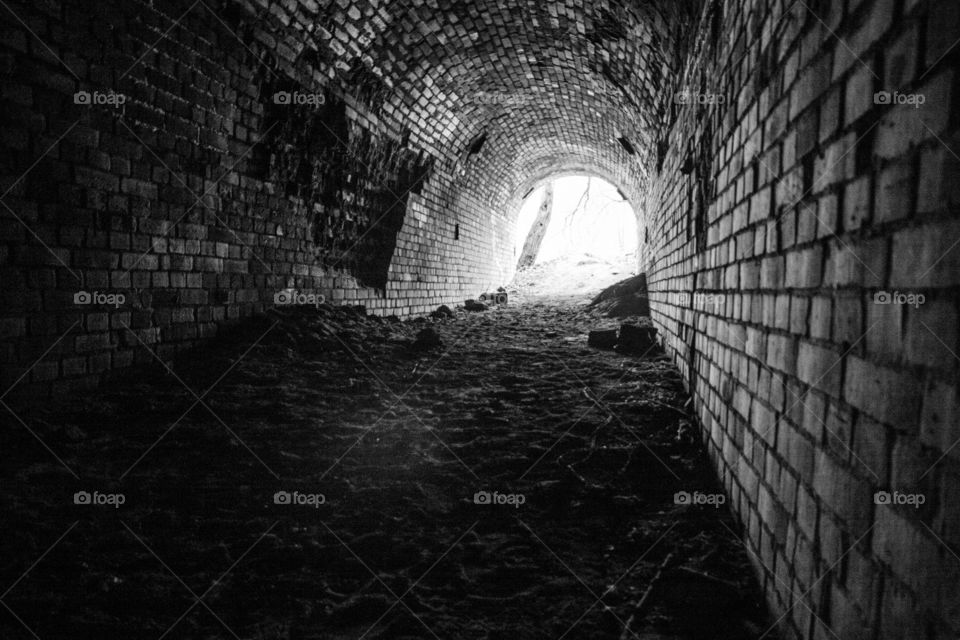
(548, 85)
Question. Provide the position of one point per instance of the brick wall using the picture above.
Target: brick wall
(184, 187)
(790, 207)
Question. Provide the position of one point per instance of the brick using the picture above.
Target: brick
(837, 164)
(870, 450)
(821, 315)
(808, 219)
(771, 272)
(940, 420)
(798, 451)
(782, 353)
(931, 329)
(830, 115)
(904, 126)
(819, 367)
(799, 313)
(812, 83)
(943, 23)
(900, 60)
(96, 179)
(894, 194)
(887, 395)
(857, 203)
(858, 94)
(938, 187)
(869, 28)
(12, 327)
(92, 342)
(884, 338)
(861, 263)
(806, 512)
(804, 268)
(926, 256)
(807, 131)
(763, 421)
(848, 327)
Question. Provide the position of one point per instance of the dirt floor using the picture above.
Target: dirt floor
(384, 452)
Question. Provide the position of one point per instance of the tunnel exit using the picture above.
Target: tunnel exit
(575, 236)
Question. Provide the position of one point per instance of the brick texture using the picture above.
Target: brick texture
(859, 227)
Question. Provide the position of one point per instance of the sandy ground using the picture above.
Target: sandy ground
(399, 443)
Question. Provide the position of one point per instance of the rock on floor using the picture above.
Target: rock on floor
(308, 476)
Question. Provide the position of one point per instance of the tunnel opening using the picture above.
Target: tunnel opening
(576, 235)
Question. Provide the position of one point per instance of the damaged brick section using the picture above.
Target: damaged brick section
(352, 184)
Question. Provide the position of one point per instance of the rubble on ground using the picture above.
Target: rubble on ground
(473, 305)
(442, 312)
(427, 339)
(625, 298)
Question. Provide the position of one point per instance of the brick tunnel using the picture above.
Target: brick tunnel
(244, 394)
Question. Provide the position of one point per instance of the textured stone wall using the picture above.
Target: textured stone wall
(805, 274)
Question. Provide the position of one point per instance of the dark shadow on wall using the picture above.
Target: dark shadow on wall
(353, 184)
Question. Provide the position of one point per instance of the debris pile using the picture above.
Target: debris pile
(631, 339)
(473, 305)
(625, 298)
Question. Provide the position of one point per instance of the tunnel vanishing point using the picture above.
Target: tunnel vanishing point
(171, 167)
